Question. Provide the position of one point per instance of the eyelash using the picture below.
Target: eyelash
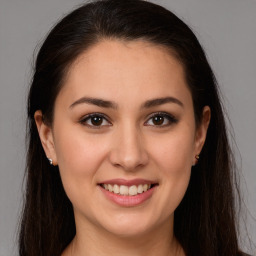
(170, 119)
(93, 115)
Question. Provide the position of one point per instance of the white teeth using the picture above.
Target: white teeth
(133, 190)
(110, 188)
(140, 189)
(116, 189)
(145, 187)
(125, 190)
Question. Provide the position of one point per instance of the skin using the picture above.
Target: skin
(127, 145)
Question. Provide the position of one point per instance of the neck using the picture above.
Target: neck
(95, 241)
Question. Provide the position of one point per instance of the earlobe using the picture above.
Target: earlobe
(202, 132)
(46, 137)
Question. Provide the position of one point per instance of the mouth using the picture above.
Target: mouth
(124, 190)
(128, 193)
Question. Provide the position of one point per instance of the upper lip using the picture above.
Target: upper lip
(128, 182)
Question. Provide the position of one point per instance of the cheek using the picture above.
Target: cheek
(174, 163)
(172, 156)
(79, 157)
(173, 153)
(78, 150)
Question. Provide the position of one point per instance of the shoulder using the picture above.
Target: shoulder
(245, 254)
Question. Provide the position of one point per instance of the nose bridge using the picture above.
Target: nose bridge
(128, 151)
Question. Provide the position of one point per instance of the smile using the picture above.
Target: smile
(127, 190)
(128, 193)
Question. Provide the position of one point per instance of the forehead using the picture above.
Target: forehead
(135, 69)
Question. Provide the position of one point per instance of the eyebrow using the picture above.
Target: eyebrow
(109, 104)
(161, 101)
(93, 101)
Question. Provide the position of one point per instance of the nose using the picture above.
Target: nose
(128, 149)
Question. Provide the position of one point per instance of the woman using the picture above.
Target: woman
(125, 106)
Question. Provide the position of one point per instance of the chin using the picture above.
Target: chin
(130, 225)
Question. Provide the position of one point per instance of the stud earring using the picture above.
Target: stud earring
(50, 161)
(197, 158)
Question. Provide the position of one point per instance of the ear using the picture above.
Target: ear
(201, 132)
(46, 136)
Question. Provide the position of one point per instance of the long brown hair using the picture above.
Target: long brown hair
(205, 220)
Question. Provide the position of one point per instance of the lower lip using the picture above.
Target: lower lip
(128, 201)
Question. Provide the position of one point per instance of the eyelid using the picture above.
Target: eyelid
(171, 118)
(90, 115)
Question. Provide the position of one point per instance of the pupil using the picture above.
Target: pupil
(158, 120)
(96, 120)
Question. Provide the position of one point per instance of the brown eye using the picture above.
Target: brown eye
(158, 120)
(161, 119)
(95, 121)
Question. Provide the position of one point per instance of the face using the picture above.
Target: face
(124, 137)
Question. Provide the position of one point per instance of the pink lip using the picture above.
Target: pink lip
(127, 182)
(128, 201)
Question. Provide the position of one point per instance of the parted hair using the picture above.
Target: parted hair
(205, 220)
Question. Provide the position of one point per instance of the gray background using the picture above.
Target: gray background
(226, 29)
